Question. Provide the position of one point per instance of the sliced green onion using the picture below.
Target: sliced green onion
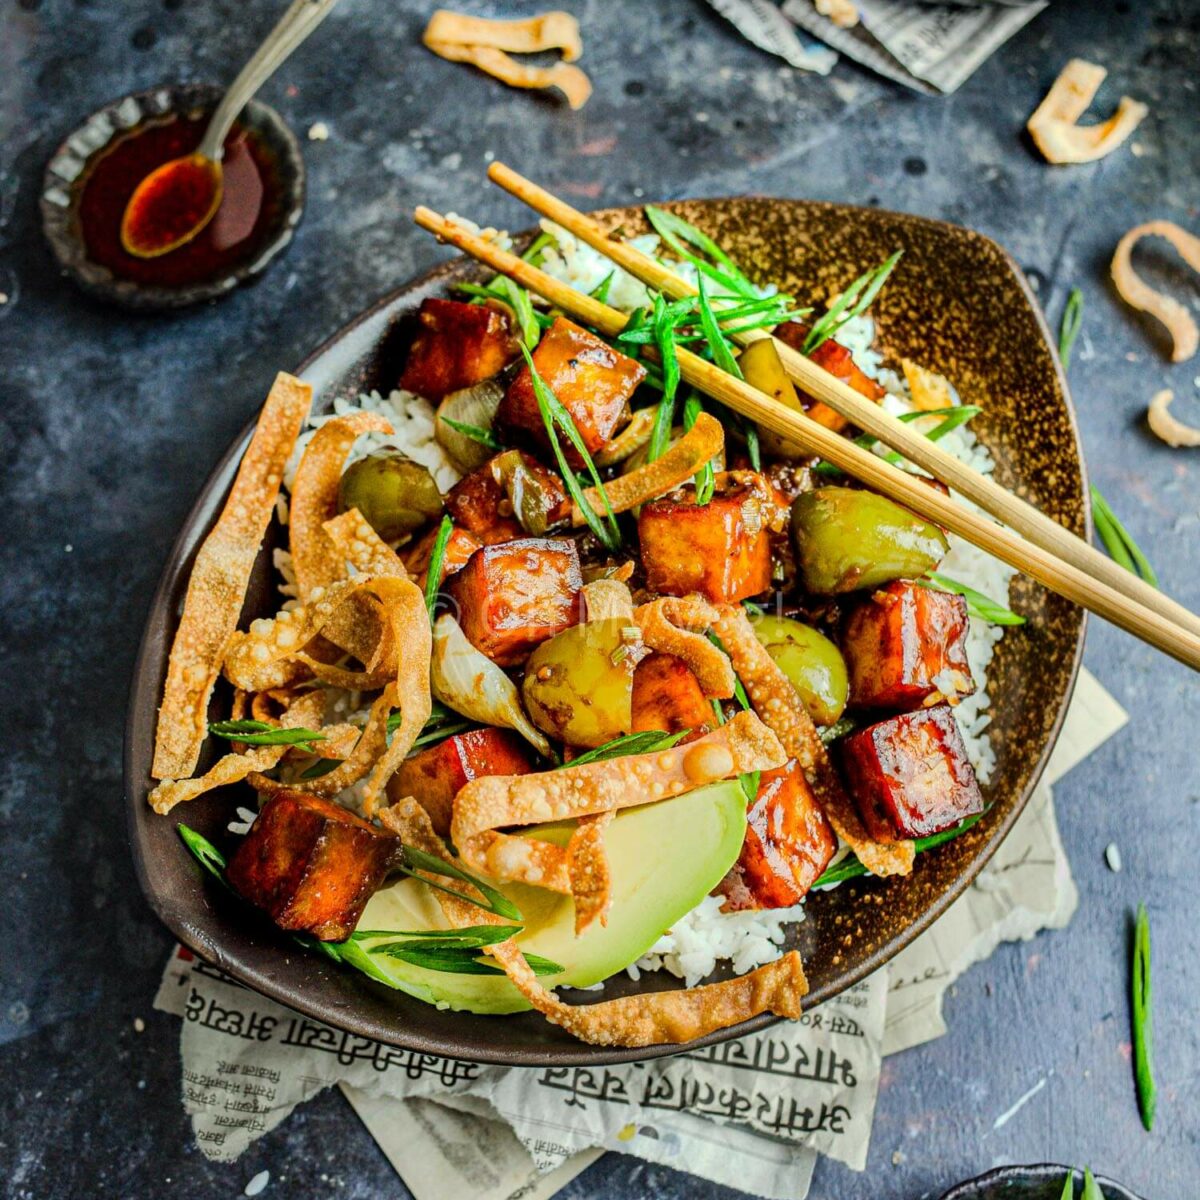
(675, 231)
(644, 742)
(851, 868)
(499, 905)
(978, 605)
(1118, 541)
(853, 302)
(437, 556)
(1068, 1189)
(485, 437)
(555, 417)
(1072, 323)
(705, 479)
(259, 733)
(1143, 1020)
(601, 290)
(204, 852)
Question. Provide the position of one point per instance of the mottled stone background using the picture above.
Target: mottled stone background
(109, 423)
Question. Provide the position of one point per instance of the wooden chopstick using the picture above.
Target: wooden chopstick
(1016, 513)
(906, 489)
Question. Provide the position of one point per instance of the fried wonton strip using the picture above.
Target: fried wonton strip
(220, 576)
(607, 599)
(1179, 322)
(1162, 424)
(664, 1017)
(495, 802)
(929, 391)
(1053, 127)
(358, 543)
(488, 44)
(315, 559)
(673, 625)
(408, 819)
(587, 868)
(702, 443)
(775, 700)
(306, 712)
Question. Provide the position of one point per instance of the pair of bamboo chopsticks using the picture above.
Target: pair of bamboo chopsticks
(1047, 553)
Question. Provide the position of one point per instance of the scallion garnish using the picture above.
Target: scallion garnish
(204, 852)
(675, 232)
(853, 302)
(643, 742)
(414, 860)
(1118, 541)
(978, 605)
(851, 868)
(1143, 1020)
(601, 290)
(437, 557)
(555, 417)
(259, 733)
(705, 479)
(952, 418)
(1072, 323)
(1091, 1189)
(664, 339)
(485, 437)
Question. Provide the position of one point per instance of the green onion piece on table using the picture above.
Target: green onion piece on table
(1072, 323)
(1143, 1020)
(1118, 541)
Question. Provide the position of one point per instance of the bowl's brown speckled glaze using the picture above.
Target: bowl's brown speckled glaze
(957, 304)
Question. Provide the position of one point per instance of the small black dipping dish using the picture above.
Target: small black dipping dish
(90, 176)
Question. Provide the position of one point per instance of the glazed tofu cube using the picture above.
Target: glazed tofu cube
(721, 549)
(487, 501)
(789, 842)
(837, 360)
(459, 547)
(592, 380)
(435, 776)
(667, 696)
(457, 345)
(906, 644)
(910, 775)
(311, 864)
(517, 594)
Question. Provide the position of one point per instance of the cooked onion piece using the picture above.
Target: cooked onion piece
(1053, 127)
(1179, 322)
(776, 701)
(673, 625)
(629, 441)
(664, 1017)
(1173, 432)
(220, 576)
(487, 45)
(495, 802)
(703, 442)
(305, 713)
(470, 683)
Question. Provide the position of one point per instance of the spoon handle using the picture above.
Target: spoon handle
(301, 18)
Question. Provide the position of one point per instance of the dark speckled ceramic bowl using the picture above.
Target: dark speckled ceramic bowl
(60, 195)
(1044, 1181)
(956, 303)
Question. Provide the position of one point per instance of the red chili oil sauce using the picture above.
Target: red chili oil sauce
(249, 204)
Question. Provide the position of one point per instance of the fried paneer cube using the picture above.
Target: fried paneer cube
(435, 776)
(515, 595)
(459, 547)
(789, 843)
(838, 361)
(593, 382)
(668, 696)
(456, 346)
(906, 643)
(721, 549)
(910, 775)
(311, 864)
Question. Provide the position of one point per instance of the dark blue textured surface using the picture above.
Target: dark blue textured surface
(109, 424)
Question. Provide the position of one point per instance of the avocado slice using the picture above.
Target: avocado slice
(664, 858)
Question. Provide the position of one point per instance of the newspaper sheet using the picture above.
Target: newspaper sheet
(751, 1113)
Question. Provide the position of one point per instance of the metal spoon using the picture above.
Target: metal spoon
(197, 178)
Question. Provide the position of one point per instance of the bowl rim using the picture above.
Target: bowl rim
(58, 218)
(583, 1054)
(1033, 1173)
